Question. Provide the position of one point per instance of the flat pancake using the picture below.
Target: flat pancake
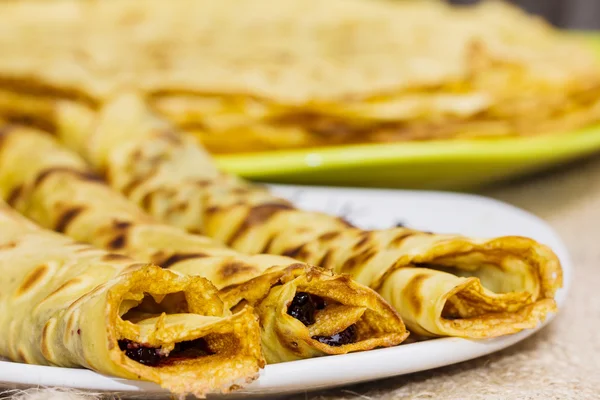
(317, 73)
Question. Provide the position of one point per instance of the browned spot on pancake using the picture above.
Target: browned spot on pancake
(22, 356)
(146, 201)
(364, 238)
(268, 244)
(412, 292)
(14, 195)
(233, 268)
(179, 207)
(8, 245)
(32, 278)
(327, 236)
(358, 260)
(215, 209)
(115, 257)
(326, 259)
(203, 182)
(83, 175)
(137, 155)
(295, 252)
(118, 242)
(121, 224)
(62, 287)
(397, 241)
(257, 215)
(158, 257)
(195, 231)
(5, 130)
(105, 173)
(178, 257)
(298, 266)
(64, 220)
(240, 190)
(131, 186)
(212, 209)
(41, 122)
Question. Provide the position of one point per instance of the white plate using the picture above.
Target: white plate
(435, 211)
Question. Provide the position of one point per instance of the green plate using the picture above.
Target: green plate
(418, 165)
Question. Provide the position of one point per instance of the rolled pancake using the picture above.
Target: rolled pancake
(440, 284)
(307, 312)
(67, 304)
(54, 187)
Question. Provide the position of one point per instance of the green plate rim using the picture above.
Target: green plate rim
(549, 147)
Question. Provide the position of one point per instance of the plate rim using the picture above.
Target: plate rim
(543, 148)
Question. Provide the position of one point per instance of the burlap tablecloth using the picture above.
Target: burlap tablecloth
(563, 360)
(560, 362)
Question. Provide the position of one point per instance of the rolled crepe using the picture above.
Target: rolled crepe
(53, 187)
(307, 312)
(440, 284)
(68, 304)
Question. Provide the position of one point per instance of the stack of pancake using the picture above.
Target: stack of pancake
(251, 75)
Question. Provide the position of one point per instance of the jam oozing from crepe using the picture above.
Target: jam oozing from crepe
(143, 354)
(346, 336)
(303, 308)
(155, 356)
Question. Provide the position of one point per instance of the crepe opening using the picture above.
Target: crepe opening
(308, 312)
(174, 330)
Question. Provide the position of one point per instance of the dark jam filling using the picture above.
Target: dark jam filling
(346, 336)
(303, 308)
(138, 352)
(152, 356)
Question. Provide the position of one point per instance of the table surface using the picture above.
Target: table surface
(563, 360)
